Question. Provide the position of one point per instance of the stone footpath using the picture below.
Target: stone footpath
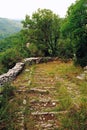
(38, 105)
(12, 73)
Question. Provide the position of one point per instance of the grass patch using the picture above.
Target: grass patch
(76, 119)
(6, 114)
(67, 89)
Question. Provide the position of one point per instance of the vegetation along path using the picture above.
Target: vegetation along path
(49, 97)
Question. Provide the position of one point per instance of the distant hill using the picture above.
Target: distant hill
(8, 27)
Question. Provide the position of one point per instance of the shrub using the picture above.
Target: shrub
(9, 58)
(5, 115)
(36, 50)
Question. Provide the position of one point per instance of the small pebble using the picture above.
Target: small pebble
(24, 102)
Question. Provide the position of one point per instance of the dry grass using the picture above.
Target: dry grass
(60, 80)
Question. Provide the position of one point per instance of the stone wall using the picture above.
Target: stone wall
(12, 73)
(36, 60)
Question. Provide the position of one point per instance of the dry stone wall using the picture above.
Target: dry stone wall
(12, 73)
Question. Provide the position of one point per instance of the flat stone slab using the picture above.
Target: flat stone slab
(46, 126)
(49, 126)
(81, 76)
(20, 90)
(42, 104)
(48, 113)
(43, 101)
(46, 116)
(41, 91)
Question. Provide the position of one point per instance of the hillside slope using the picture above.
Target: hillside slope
(8, 27)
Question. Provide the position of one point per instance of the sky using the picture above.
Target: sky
(17, 9)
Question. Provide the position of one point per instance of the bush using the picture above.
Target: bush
(5, 115)
(65, 48)
(9, 58)
(36, 50)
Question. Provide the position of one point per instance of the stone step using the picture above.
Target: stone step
(22, 87)
(39, 76)
(46, 83)
(45, 116)
(44, 101)
(35, 104)
(40, 71)
(32, 90)
(49, 88)
(48, 113)
(47, 126)
(41, 91)
(21, 91)
(44, 79)
(47, 120)
(46, 88)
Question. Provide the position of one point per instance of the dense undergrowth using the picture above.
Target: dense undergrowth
(7, 114)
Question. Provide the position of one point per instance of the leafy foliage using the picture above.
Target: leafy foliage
(65, 49)
(43, 29)
(9, 58)
(13, 49)
(75, 27)
(10, 42)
